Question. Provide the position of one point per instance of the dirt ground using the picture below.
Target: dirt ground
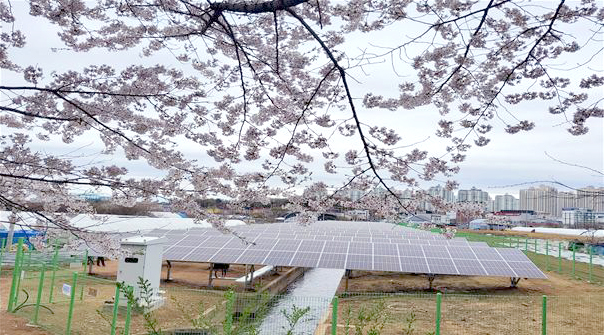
(93, 317)
(472, 305)
(558, 285)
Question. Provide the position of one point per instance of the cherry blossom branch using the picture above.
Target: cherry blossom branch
(465, 55)
(291, 139)
(342, 73)
(39, 116)
(255, 7)
(103, 125)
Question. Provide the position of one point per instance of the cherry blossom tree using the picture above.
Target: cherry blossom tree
(266, 91)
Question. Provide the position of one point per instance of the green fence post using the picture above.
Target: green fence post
(591, 256)
(21, 270)
(334, 315)
(546, 255)
(544, 316)
(14, 288)
(28, 259)
(84, 281)
(128, 312)
(2, 247)
(55, 259)
(84, 265)
(559, 257)
(116, 305)
(228, 318)
(526, 244)
(574, 250)
(535, 245)
(438, 302)
(39, 298)
(71, 303)
(85, 259)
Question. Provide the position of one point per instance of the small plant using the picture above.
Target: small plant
(146, 300)
(408, 330)
(347, 320)
(373, 319)
(294, 317)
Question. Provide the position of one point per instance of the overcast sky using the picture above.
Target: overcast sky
(507, 164)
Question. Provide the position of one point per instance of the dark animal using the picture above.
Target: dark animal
(220, 266)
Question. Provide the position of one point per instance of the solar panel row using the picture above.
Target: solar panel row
(346, 245)
(398, 257)
(194, 240)
(326, 230)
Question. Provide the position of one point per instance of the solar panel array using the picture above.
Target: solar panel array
(376, 250)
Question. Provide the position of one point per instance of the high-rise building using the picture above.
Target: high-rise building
(473, 195)
(566, 200)
(505, 202)
(542, 199)
(591, 197)
(441, 193)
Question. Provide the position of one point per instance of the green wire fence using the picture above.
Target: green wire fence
(49, 291)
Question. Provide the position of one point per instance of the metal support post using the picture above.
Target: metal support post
(547, 255)
(559, 257)
(128, 312)
(39, 298)
(71, 303)
(334, 315)
(169, 269)
(55, 259)
(252, 277)
(438, 302)
(431, 278)
(85, 259)
(116, 306)
(27, 267)
(347, 277)
(591, 257)
(14, 288)
(574, 251)
(544, 316)
(210, 277)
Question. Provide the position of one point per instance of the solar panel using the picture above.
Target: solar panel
(469, 267)
(305, 259)
(340, 247)
(442, 266)
(332, 261)
(279, 257)
(195, 255)
(359, 262)
(386, 263)
(413, 265)
(354, 249)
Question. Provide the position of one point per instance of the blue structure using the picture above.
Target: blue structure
(18, 233)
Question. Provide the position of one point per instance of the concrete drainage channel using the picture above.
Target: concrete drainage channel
(315, 290)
